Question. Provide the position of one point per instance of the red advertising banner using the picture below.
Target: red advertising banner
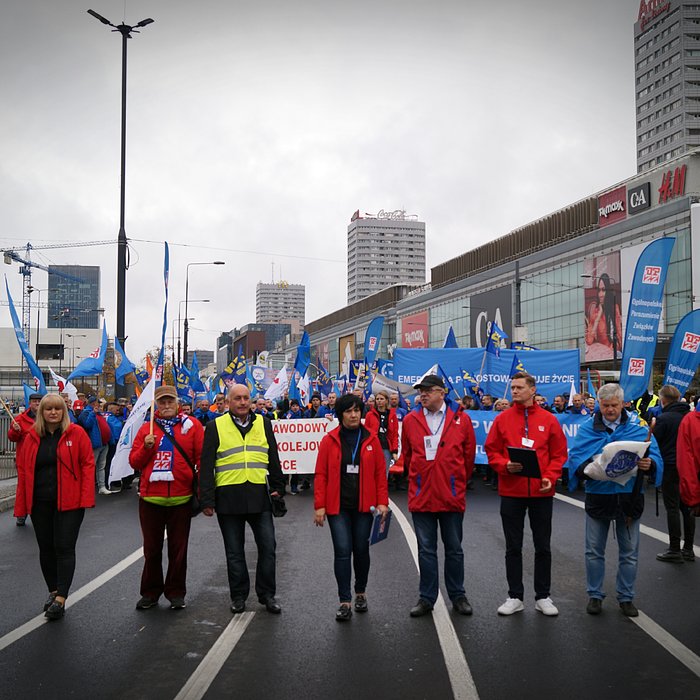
(612, 206)
(415, 330)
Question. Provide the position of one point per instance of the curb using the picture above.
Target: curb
(8, 489)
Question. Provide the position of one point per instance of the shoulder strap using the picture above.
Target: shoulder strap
(177, 446)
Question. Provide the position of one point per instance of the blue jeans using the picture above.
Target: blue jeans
(233, 531)
(350, 534)
(425, 525)
(628, 544)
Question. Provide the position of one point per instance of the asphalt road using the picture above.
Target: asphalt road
(104, 648)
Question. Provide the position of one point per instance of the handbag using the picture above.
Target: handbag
(196, 505)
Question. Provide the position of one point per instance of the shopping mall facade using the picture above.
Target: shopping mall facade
(545, 283)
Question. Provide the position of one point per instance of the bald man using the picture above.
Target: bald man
(239, 458)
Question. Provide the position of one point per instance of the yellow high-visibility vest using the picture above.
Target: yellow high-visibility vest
(240, 459)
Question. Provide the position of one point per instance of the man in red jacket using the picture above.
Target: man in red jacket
(438, 446)
(688, 461)
(526, 425)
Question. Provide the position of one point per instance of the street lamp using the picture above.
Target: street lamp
(187, 293)
(125, 30)
(174, 321)
(73, 336)
(179, 313)
(63, 314)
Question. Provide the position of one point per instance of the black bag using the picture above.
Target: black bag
(196, 506)
(279, 507)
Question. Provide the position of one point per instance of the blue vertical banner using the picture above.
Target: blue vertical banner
(29, 359)
(450, 340)
(303, 359)
(373, 336)
(161, 355)
(643, 316)
(684, 353)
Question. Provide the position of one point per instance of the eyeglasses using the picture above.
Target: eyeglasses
(432, 388)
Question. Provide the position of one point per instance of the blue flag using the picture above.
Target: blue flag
(683, 355)
(161, 355)
(303, 359)
(141, 376)
(496, 336)
(402, 401)
(472, 386)
(28, 391)
(373, 337)
(293, 390)
(646, 300)
(182, 381)
(31, 363)
(325, 385)
(126, 366)
(590, 388)
(94, 363)
(522, 346)
(450, 340)
(195, 381)
(517, 366)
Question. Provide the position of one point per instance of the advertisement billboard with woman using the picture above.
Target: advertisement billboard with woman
(602, 298)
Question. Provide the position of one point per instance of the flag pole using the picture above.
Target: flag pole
(153, 414)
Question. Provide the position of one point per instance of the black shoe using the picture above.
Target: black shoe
(145, 602)
(595, 606)
(361, 603)
(470, 485)
(21, 521)
(671, 555)
(55, 611)
(178, 604)
(271, 605)
(628, 608)
(344, 612)
(237, 605)
(462, 606)
(422, 607)
(688, 554)
(49, 600)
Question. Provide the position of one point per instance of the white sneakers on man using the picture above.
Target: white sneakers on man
(512, 605)
(546, 607)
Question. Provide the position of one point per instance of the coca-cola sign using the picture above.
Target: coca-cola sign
(649, 10)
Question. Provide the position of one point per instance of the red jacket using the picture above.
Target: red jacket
(392, 430)
(438, 485)
(688, 459)
(26, 424)
(373, 484)
(508, 430)
(75, 472)
(141, 459)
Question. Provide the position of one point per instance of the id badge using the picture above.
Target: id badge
(431, 444)
(526, 442)
(352, 468)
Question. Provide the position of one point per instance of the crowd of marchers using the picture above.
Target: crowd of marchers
(221, 460)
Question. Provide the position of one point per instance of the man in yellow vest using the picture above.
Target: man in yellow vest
(240, 476)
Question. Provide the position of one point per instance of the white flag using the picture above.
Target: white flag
(572, 391)
(279, 385)
(120, 462)
(65, 387)
(303, 386)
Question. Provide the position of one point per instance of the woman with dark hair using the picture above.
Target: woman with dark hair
(603, 320)
(350, 482)
(55, 484)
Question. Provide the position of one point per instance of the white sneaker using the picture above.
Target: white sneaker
(512, 605)
(104, 492)
(546, 607)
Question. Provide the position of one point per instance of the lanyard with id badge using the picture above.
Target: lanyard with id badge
(526, 441)
(354, 468)
(431, 442)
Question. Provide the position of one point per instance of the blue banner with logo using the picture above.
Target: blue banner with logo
(483, 420)
(683, 355)
(643, 316)
(553, 370)
(373, 336)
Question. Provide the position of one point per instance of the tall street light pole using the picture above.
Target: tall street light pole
(122, 250)
(187, 293)
(73, 336)
(179, 314)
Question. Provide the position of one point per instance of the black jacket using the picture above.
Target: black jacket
(666, 431)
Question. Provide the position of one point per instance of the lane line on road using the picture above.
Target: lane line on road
(644, 529)
(461, 680)
(668, 642)
(36, 622)
(676, 648)
(198, 683)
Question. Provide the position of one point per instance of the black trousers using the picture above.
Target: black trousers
(539, 511)
(676, 511)
(56, 534)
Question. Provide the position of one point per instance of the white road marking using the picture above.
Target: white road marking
(644, 622)
(199, 682)
(90, 587)
(461, 680)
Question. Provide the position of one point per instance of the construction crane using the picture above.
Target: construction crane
(25, 270)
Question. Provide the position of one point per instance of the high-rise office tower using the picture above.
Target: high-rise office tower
(384, 249)
(667, 80)
(279, 302)
(73, 303)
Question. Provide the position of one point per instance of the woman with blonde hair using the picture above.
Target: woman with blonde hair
(55, 484)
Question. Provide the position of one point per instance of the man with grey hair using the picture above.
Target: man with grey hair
(673, 410)
(609, 501)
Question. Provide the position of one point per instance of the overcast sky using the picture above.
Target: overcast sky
(256, 129)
